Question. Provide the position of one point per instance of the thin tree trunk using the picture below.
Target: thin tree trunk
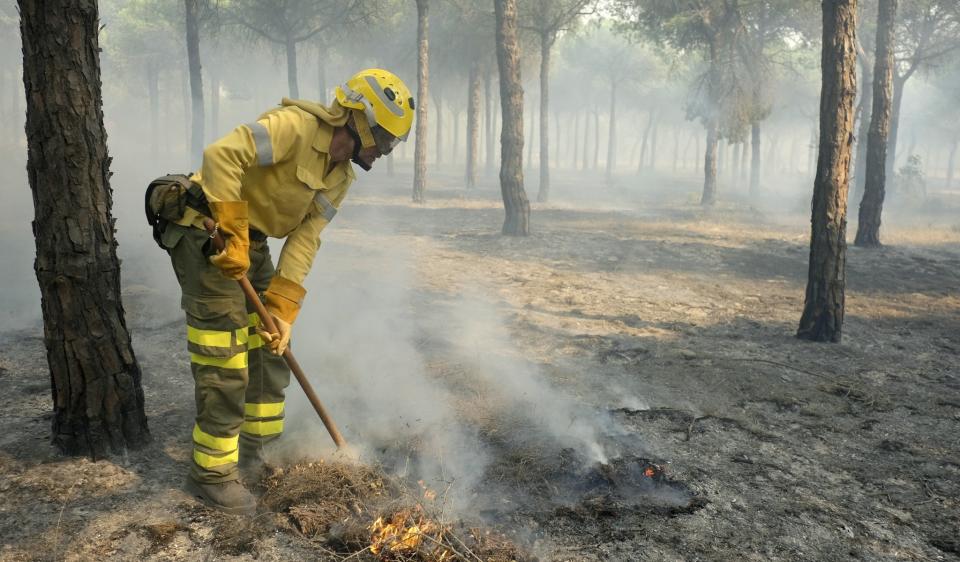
(586, 139)
(612, 138)
(709, 196)
(871, 207)
(196, 83)
(863, 114)
(546, 43)
(823, 310)
(293, 88)
(653, 145)
(489, 122)
(423, 72)
(516, 205)
(576, 139)
(532, 140)
(899, 83)
(755, 159)
(596, 139)
(744, 156)
(473, 124)
(438, 98)
(98, 404)
(736, 163)
(455, 149)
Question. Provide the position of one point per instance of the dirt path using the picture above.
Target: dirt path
(673, 330)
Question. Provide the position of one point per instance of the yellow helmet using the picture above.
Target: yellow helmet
(383, 98)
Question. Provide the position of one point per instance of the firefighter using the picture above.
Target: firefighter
(282, 176)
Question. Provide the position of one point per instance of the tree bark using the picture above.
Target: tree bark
(423, 74)
(899, 83)
(863, 114)
(95, 379)
(196, 84)
(612, 136)
(473, 124)
(755, 159)
(291, 48)
(822, 318)
(709, 196)
(516, 205)
(871, 207)
(546, 44)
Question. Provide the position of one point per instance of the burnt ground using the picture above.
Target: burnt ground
(674, 325)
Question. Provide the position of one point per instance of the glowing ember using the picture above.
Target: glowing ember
(407, 531)
(649, 472)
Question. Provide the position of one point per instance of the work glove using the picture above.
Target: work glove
(232, 220)
(283, 299)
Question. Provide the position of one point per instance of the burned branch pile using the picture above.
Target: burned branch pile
(359, 512)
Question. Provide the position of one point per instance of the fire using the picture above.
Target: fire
(649, 472)
(407, 531)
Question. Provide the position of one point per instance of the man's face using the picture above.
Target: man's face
(369, 155)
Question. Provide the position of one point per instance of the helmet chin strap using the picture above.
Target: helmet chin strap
(357, 146)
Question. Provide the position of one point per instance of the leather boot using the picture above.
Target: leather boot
(229, 497)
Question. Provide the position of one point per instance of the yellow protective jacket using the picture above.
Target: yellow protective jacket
(280, 165)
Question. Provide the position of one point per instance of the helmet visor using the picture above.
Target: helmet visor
(386, 142)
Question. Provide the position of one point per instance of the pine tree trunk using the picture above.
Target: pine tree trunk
(423, 74)
(196, 84)
(438, 98)
(455, 149)
(736, 163)
(576, 139)
(898, 85)
(516, 205)
(96, 381)
(546, 43)
(596, 139)
(474, 85)
(709, 196)
(823, 309)
(871, 207)
(863, 114)
(586, 139)
(612, 136)
(755, 159)
(489, 125)
(294, 89)
(744, 156)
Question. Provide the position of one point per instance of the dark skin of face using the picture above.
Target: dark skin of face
(341, 148)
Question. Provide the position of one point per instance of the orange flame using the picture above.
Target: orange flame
(405, 531)
(649, 472)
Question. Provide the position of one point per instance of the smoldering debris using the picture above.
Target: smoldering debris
(359, 511)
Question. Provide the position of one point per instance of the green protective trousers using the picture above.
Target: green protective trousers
(239, 385)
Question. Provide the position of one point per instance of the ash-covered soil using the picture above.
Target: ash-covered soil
(675, 326)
